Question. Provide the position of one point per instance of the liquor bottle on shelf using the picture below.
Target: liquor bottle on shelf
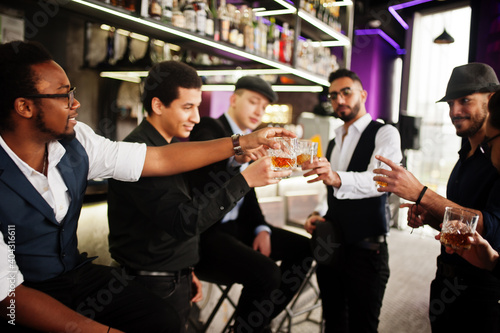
(283, 56)
(109, 60)
(118, 3)
(178, 19)
(150, 57)
(215, 16)
(234, 23)
(127, 59)
(263, 36)
(201, 17)
(257, 36)
(130, 5)
(289, 46)
(277, 43)
(247, 28)
(189, 16)
(224, 21)
(320, 10)
(154, 10)
(270, 39)
(210, 21)
(167, 11)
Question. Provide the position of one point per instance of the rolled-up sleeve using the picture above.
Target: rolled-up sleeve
(110, 159)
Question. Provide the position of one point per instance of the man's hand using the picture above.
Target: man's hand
(399, 180)
(251, 155)
(311, 222)
(196, 289)
(416, 215)
(322, 168)
(259, 173)
(481, 254)
(262, 243)
(264, 137)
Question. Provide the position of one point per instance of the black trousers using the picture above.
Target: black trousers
(464, 299)
(267, 288)
(175, 290)
(111, 297)
(352, 290)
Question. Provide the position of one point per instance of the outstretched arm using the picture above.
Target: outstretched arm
(405, 185)
(187, 156)
(35, 309)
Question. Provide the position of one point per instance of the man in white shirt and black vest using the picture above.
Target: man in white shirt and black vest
(352, 286)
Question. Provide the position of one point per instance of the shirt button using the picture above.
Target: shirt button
(45, 189)
(221, 207)
(60, 207)
(63, 254)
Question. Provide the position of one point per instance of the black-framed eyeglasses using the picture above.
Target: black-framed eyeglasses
(485, 146)
(344, 92)
(70, 95)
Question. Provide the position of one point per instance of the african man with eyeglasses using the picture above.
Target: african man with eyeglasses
(463, 297)
(352, 288)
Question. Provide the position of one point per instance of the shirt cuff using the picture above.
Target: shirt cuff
(346, 179)
(262, 228)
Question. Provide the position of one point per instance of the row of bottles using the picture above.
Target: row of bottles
(130, 5)
(240, 27)
(123, 51)
(323, 10)
(230, 24)
(317, 59)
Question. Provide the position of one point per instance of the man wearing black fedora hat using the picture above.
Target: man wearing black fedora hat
(462, 296)
(243, 248)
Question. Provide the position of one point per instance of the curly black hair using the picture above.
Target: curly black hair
(16, 77)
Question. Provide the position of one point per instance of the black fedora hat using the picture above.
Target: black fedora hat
(471, 78)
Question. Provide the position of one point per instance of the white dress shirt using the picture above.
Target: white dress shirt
(233, 213)
(359, 185)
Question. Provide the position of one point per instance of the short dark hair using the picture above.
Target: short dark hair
(494, 110)
(16, 75)
(344, 73)
(165, 79)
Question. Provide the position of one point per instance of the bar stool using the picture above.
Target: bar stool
(292, 310)
(224, 289)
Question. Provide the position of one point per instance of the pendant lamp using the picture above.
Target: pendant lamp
(444, 38)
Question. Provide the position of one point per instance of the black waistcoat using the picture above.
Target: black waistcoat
(359, 218)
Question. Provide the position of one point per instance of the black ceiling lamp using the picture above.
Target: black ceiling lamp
(444, 38)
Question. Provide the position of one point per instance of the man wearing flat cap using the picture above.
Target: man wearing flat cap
(463, 297)
(242, 248)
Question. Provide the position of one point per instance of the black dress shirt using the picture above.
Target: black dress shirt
(155, 223)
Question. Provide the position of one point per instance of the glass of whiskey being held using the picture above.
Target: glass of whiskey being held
(285, 157)
(306, 151)
(382, 165)
(458, 225)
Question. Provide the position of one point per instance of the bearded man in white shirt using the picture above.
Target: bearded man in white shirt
(352, 287)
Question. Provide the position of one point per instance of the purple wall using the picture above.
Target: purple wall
(485, 39)
(373, 60)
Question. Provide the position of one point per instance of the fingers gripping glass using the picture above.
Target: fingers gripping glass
(70, 95)
(345, 93)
